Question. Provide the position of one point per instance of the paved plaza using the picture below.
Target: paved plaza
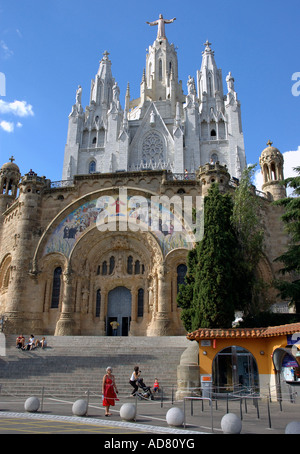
(56, 417)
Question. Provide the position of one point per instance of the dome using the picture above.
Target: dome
(10, 166)
(271, 152)
(9, 178)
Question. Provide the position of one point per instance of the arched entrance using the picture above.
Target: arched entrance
(287, 369)
(119, 309)
(235, 368)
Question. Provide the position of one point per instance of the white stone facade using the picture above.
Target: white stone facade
(163, 128)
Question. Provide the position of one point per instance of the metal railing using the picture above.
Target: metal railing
(237, 400)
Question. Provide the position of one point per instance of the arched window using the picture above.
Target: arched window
(213, 133)
(130, 265)
(98, 302)
(214, 158)
(92, 167)
(104, 268)
(94, 140)
(140, 302)
(181, 272)
(98, 270)
(56, 287)
(111, 264)
(209, 86)
(137, 267)
(273, 172)
(160, 70)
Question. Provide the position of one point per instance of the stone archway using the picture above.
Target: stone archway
(119, 310)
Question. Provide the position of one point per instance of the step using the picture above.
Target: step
(71, 365)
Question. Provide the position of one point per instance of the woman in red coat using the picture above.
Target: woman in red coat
(109, 390)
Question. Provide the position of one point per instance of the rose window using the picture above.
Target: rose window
(152, 150)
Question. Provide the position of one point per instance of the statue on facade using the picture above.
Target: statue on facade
(78, 95)
(161, 26)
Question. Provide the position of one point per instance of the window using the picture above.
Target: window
(160, 70)
(130, 265)
(181, 272)
(214, 158)
(140, 302)
(98, 302)
(137, 267)
(56, 287)
(92, 167)
(111, 264)
(213, 133)
(104, 268)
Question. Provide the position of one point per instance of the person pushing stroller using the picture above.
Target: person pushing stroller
(137, 382)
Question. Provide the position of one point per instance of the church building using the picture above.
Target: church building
(109, 242)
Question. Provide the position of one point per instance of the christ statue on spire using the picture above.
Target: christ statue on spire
(161, 26)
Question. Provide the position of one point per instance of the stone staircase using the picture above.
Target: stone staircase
(72, 365)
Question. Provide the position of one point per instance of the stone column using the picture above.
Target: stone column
(47, 294)
(133, 323)
(78, 295)
(91, 299)
(65, 324)
(103, 311)
(162, 318)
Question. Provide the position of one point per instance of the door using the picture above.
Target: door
(119, 309)
(235, 368)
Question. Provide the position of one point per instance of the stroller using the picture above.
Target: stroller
(145, 392)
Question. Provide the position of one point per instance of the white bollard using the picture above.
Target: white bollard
(175, 417)
(32, 404)
(231, 424)
(80, 407)
(128, 412)
(293, 428)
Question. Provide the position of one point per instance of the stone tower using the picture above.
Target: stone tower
(26, 230)
(271, 164)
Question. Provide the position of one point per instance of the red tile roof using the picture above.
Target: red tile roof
(243, 333)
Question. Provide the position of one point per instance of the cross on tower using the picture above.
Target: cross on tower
(12, 159)
(207, 43)
(270, 143)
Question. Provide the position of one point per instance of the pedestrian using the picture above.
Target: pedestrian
(114, 324)
(156, 385)
(20, 341)
(134, 379)
(109, 391)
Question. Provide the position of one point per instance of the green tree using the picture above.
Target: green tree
(247, 222)
(290, 289)
(208, 300)
(186, 290)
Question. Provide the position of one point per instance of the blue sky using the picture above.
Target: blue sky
(48, 48)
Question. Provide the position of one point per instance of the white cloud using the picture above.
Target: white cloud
(18, 108)
(7, 126)
(5, 50)
(291, 160)
(19, 124)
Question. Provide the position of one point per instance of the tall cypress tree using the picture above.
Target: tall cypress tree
(213, 285)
